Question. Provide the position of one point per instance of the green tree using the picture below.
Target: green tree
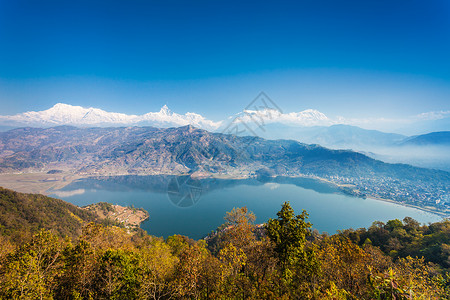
(116, 277)
(298, 265)
(80, 269)
(288, 232)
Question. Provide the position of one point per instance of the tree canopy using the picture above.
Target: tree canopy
(284, 259)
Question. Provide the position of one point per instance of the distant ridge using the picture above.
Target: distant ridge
(338, 136)
(177, 150)
(433, 138)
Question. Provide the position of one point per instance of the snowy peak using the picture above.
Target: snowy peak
(165, 110)
(166, 118)
(62, 114)
(308, 117)
(61, 107)
(65, 114)
(313, 114)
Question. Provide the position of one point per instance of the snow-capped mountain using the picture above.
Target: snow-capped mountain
(308, 117)
(307, 126)
(65, 114)
(258, 121)
(165, 117)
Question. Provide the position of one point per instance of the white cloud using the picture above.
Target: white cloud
(272, 185)
(309, 117)
(64, 194)
(427, 116)
(434, 115)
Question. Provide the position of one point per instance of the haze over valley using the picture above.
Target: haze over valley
(428, 150)
(118, 151)
(200, 150)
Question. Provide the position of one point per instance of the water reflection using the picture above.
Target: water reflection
(329, 209)
(178, 187)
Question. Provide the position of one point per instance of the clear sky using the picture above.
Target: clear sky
(368, 59)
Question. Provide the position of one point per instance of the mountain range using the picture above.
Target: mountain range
(151, 150)
(188, 150)
(65, 114)
(338, 136)
(441, 138)
(308, 126)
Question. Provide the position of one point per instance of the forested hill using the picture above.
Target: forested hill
(22, 215)
(283, 259)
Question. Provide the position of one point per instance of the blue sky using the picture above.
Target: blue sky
(352, 58)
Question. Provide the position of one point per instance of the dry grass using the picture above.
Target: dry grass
(38, 183)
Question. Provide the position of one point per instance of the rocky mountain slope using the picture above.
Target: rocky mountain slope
(149, 150)
(187, 150)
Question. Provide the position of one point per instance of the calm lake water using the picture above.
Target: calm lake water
(179, 205)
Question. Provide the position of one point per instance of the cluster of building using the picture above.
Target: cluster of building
(431, 194)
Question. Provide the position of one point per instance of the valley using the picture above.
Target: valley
(41, 159)
(36, 182)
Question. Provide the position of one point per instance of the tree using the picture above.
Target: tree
(233, 280)
(30, 272)
(188, 270)
(117, 275)
(288, 232)
(409, 278)
(239, 215)
(239, 229)
(80, 267)
(5, 246)
(156, 266)
(298, 265)
(344, 265)
(209, 282)
(392, 224)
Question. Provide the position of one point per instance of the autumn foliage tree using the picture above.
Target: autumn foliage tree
(241, 260)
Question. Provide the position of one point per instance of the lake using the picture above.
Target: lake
(182, 205)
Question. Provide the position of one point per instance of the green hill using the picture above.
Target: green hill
(282, 259)
(21, 215)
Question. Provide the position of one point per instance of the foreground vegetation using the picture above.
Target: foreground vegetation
(283, 259)
(22, 215)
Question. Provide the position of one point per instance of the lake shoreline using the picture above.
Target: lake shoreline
(44, 183)
(425, 209)
(329, 208)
